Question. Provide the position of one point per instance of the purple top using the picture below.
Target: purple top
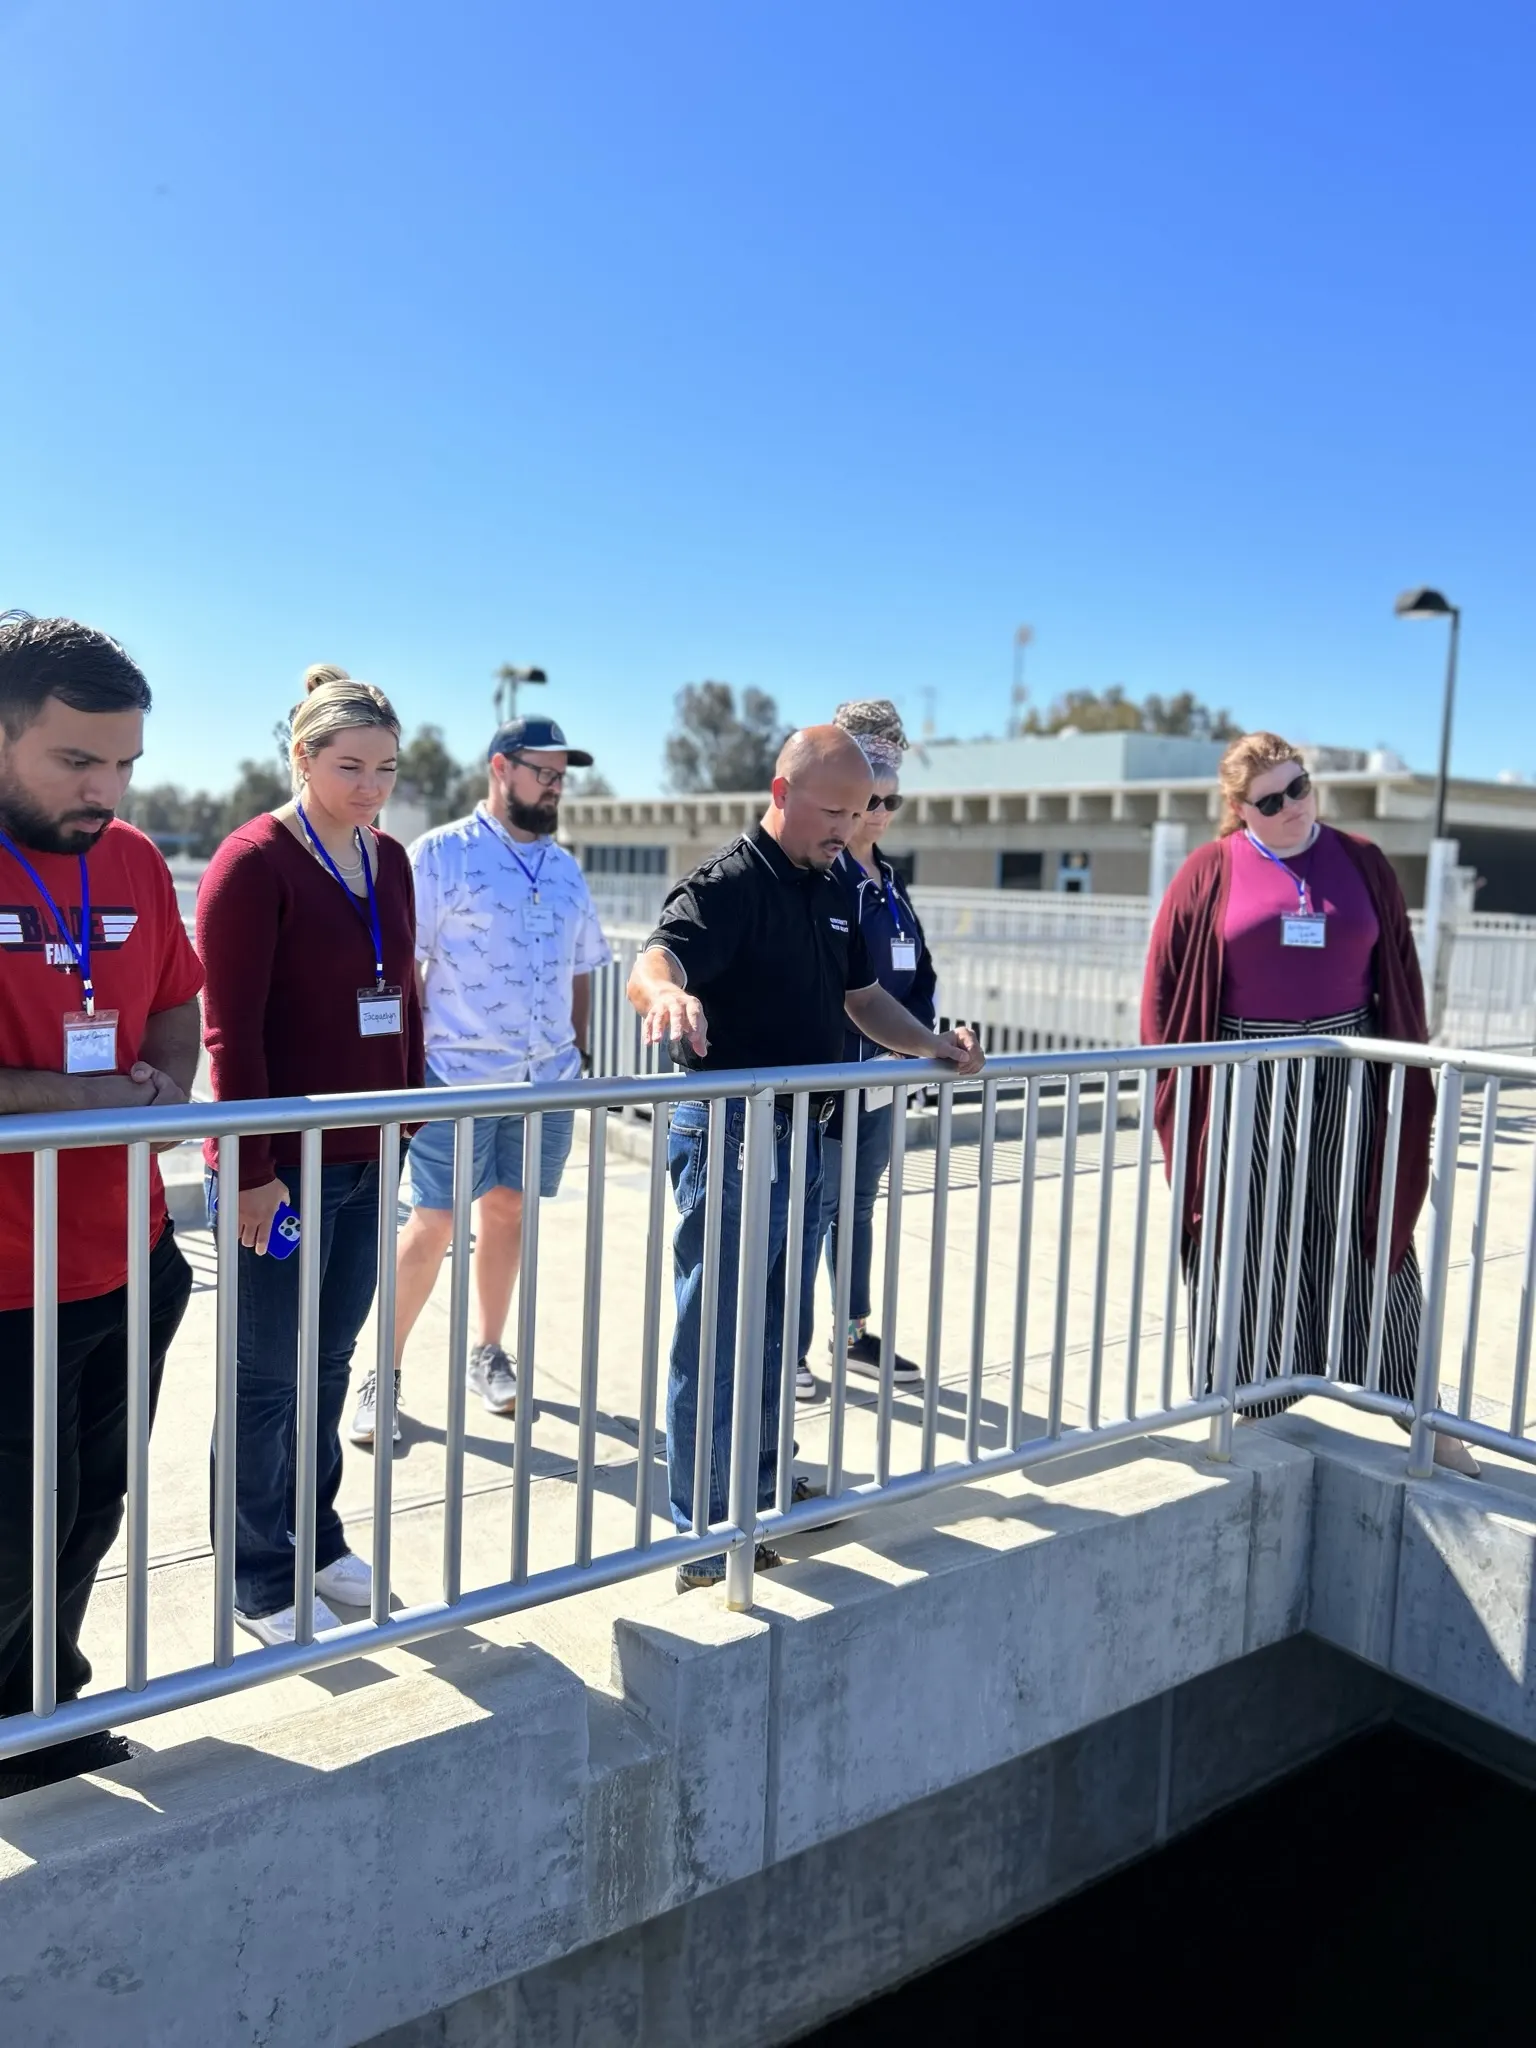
(1269, 982)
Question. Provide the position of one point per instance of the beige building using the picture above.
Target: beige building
(1077, 813)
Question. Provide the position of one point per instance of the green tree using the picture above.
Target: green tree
(1088, 711)
(1111, 710)
(259, 788)
(715, 746)
(429, 773)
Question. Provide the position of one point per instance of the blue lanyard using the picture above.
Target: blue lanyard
(372, 919)
(530, 875)
(1301, 887)
(82, 952)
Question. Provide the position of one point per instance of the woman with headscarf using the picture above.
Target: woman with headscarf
(899, 954)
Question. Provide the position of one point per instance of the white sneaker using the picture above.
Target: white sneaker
(348, 1581)
(365, 1418)
(278, 1628)
(805, 1382)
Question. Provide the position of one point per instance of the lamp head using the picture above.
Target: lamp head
(1423, 603)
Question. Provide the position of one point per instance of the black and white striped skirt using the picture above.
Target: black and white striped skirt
(1317, 1235)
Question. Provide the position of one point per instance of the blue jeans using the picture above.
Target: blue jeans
(687, 1160)
(874, 1156)
(266, 1402)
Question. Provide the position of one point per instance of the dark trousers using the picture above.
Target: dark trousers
(874, 1156)
(267, 1383)
(93, 1460)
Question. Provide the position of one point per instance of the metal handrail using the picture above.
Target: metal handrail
(1065, 1081)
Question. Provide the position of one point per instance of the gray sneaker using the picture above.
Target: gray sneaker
(493, 1376)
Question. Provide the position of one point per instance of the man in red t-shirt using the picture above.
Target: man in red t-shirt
(98, 1010)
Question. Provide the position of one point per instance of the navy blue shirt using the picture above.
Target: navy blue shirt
(884, 915)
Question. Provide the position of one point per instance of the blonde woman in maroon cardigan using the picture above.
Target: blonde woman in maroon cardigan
(306, 923)
(1284, 926)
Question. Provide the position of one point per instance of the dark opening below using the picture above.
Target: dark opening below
(1388, 1889)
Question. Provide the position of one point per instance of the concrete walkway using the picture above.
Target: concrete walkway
(181, 1569)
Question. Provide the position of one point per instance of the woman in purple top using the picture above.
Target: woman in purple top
(1283, 927)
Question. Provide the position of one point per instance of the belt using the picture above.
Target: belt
(823, 1107)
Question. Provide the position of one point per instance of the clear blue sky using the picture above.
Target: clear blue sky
(808, 345)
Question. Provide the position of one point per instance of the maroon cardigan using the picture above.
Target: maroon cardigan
(1181, 1005)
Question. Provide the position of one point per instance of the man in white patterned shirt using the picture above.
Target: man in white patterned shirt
(506, 940)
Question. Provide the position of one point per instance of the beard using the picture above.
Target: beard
(540, 817)
(75, 832)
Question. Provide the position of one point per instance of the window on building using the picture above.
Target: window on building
(1074, 874)
(624, 860)
(1021, 871)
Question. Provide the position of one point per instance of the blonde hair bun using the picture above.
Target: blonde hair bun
(319, 673)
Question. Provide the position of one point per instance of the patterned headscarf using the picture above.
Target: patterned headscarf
(876, 716)
(882, 754)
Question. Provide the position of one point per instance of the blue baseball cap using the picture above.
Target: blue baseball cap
(540, 734)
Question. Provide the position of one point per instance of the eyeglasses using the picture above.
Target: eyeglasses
(548, 778)
(1293, 792)
(892, 802)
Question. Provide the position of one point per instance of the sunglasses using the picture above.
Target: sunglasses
(548, 778)
(893, 802)
(1293, 792)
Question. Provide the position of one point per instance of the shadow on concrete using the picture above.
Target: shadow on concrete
(201, 1772)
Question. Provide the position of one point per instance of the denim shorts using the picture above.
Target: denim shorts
(498, 1156)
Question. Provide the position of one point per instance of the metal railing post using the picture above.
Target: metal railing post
(1233, 1255)
(45, 1431)
(139, 1398)
(796, 1279)
(656, 1248)
(226, 1398)
(751, 1313)
(1442, 1201)
(384, 1369)
(306, 1436)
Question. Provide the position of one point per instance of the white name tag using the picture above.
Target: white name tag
(380, 1013)
(1303, 931)
(538, 917)
(904, 955)
(90, 1043)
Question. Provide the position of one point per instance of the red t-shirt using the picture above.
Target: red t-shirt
(141, 962)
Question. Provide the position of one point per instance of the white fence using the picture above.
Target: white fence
(1039, 972)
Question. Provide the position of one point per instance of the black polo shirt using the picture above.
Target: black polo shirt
(770, 950)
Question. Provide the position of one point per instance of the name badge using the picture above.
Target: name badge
(90, 1043)
(1303, 931)
(538, 917)
(380, 1013)
(904, 955)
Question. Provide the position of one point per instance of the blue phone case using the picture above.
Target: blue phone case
(284, 1240)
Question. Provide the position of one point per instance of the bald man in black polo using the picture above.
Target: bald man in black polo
(756, 962)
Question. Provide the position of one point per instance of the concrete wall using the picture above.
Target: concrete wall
(763, 1960)
(657, 1822)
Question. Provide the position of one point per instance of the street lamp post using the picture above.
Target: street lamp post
(1424, 603)
(509, 680)
(1429, 604)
